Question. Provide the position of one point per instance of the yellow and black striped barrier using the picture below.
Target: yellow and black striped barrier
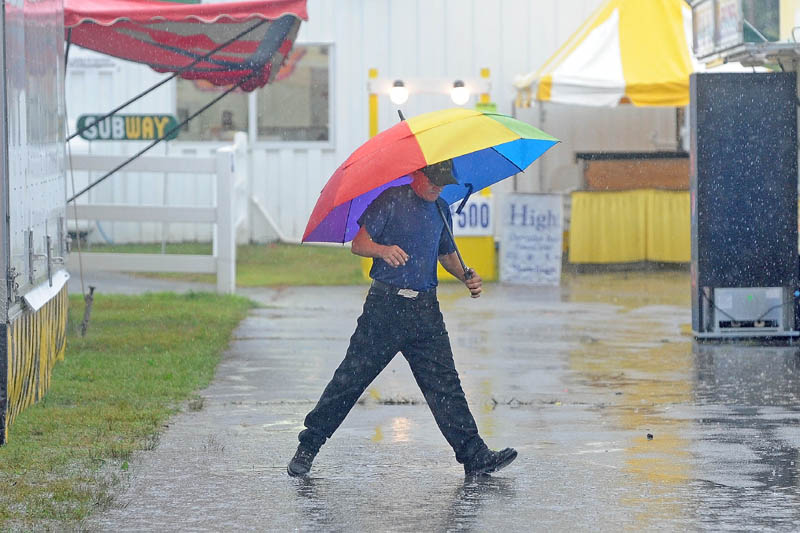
(30, 346)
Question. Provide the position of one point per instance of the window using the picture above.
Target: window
(294, 107)
(217, 123)
(764, 19)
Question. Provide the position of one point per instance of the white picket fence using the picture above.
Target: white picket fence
(229, 166)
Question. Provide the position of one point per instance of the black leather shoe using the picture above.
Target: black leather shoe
(301, 462)
(488, 461)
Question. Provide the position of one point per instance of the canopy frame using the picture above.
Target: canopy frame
(272, 40)
(278, 38)
(162, 82)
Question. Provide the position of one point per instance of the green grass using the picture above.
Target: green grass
(266, 265)
(142, 359)
(200, 248)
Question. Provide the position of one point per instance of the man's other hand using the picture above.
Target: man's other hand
(394, 255)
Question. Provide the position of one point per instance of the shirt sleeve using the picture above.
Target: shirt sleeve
(376, 215)
(446, 244)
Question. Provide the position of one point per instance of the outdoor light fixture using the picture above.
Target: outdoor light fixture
(459, 93)
(398, 94)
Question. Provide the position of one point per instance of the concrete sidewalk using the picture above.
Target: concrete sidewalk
(575, 378)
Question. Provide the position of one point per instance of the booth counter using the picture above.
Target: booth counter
(634, 207)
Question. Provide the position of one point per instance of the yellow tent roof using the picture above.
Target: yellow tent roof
(628, 50)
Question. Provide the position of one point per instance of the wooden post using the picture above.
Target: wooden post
(226, 226)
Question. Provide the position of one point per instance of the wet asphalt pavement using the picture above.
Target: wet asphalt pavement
(574, 377)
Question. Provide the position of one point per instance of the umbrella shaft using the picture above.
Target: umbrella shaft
(467, 271)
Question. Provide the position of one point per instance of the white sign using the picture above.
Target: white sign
(475, 219)
(532, 227)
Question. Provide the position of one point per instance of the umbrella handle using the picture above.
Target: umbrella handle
(470, 188)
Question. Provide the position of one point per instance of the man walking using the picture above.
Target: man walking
(403, 231)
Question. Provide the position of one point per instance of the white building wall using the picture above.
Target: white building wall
(403, 39)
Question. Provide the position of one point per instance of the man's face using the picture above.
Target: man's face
(424, 188)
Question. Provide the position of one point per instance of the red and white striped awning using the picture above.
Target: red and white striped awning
(168, 36)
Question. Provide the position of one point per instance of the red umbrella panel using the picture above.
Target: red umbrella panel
(167, 36)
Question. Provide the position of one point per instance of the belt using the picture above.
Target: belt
(379, 287)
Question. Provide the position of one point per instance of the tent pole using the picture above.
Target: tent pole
(516, 174)
(541, 163)
(66, 52)
(165, 80)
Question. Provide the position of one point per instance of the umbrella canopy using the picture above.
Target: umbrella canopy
(627, 50)
(485, 148)
(168, 35)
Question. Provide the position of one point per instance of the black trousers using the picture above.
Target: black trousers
(415, 327)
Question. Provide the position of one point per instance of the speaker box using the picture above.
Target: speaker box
(743, 182)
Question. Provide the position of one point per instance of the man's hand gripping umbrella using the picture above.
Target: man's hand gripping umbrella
(474, 285)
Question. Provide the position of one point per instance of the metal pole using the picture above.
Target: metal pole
(6, 291)
(541, 161)
(5, 250)
(514, 115)
(66, 51)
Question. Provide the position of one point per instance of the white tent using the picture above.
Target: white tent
(627, 51)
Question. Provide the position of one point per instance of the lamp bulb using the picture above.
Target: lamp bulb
(398, 94)
(459, 93)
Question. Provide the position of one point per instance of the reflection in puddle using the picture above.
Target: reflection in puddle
(400, 430)
(475, 494)
(750, 375)
(723, 417)
(486, 416)
(401, 427)
(457, 504)
(748, 406)
(644, 384)
(630, 289)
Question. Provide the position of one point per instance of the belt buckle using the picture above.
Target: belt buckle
(407, 293)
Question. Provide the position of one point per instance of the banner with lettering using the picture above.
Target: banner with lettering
(127, 127)
(531, 235)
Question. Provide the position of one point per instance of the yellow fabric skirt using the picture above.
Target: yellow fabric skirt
(630, 226)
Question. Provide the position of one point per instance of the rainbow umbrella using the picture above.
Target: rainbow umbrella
(485, 148)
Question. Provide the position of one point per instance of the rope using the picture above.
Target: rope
(167, 134)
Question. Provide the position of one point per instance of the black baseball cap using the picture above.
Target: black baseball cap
(440, 174)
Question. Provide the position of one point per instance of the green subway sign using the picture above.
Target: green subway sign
(127, 127)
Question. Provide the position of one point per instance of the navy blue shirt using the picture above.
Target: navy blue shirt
(399, 217)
